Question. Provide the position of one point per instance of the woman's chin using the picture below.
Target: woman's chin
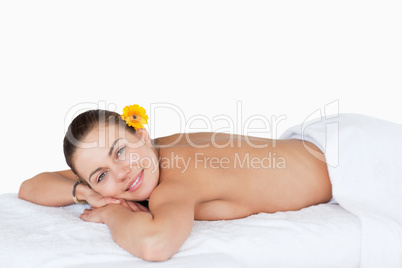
(143, 193)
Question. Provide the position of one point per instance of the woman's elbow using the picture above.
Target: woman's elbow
(155, 251)
(27, 187)
(23, 190)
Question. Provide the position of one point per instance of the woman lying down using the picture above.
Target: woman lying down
(185, 177)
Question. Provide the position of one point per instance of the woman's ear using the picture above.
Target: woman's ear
(143, 134)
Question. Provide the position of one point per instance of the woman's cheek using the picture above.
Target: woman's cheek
(134, 159)
(109, 189)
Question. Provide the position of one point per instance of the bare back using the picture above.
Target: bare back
(233, 176)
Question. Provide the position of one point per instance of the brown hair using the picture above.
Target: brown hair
(82, 125)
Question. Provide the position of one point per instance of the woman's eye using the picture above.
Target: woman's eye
(120, 151)
(101, 177)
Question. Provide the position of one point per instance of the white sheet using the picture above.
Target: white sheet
(364, 157)
(319, 236)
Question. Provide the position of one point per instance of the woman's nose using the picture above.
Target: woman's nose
(122, 173)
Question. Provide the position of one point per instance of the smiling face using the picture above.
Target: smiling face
(122, 165)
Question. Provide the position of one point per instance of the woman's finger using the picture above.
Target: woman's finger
(84, 215)
(111, 200)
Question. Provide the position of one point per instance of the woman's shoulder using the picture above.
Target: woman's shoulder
(201, 139)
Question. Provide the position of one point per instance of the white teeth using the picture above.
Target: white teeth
(136, 181)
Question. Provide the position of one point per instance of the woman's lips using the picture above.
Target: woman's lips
(136, 182)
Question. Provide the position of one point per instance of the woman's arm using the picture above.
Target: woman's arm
(156, 236)
(55, 189)
(50, 188)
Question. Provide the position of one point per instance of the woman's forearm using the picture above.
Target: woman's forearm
(137, 233)
(50, 189)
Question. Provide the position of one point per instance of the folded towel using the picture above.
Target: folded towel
(364, 156)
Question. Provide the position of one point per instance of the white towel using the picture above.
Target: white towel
(319, 236)
(364, 157)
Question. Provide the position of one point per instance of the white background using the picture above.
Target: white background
(206, 58)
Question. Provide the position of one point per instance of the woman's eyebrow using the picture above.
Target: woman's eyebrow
(110, 153)
(96, 170)
(113, 145)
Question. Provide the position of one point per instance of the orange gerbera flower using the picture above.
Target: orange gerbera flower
(135, 116)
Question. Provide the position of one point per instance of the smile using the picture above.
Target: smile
(136, 183)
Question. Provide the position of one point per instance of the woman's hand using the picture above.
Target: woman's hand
(96, 214)
(97, 200)
(83, 192)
